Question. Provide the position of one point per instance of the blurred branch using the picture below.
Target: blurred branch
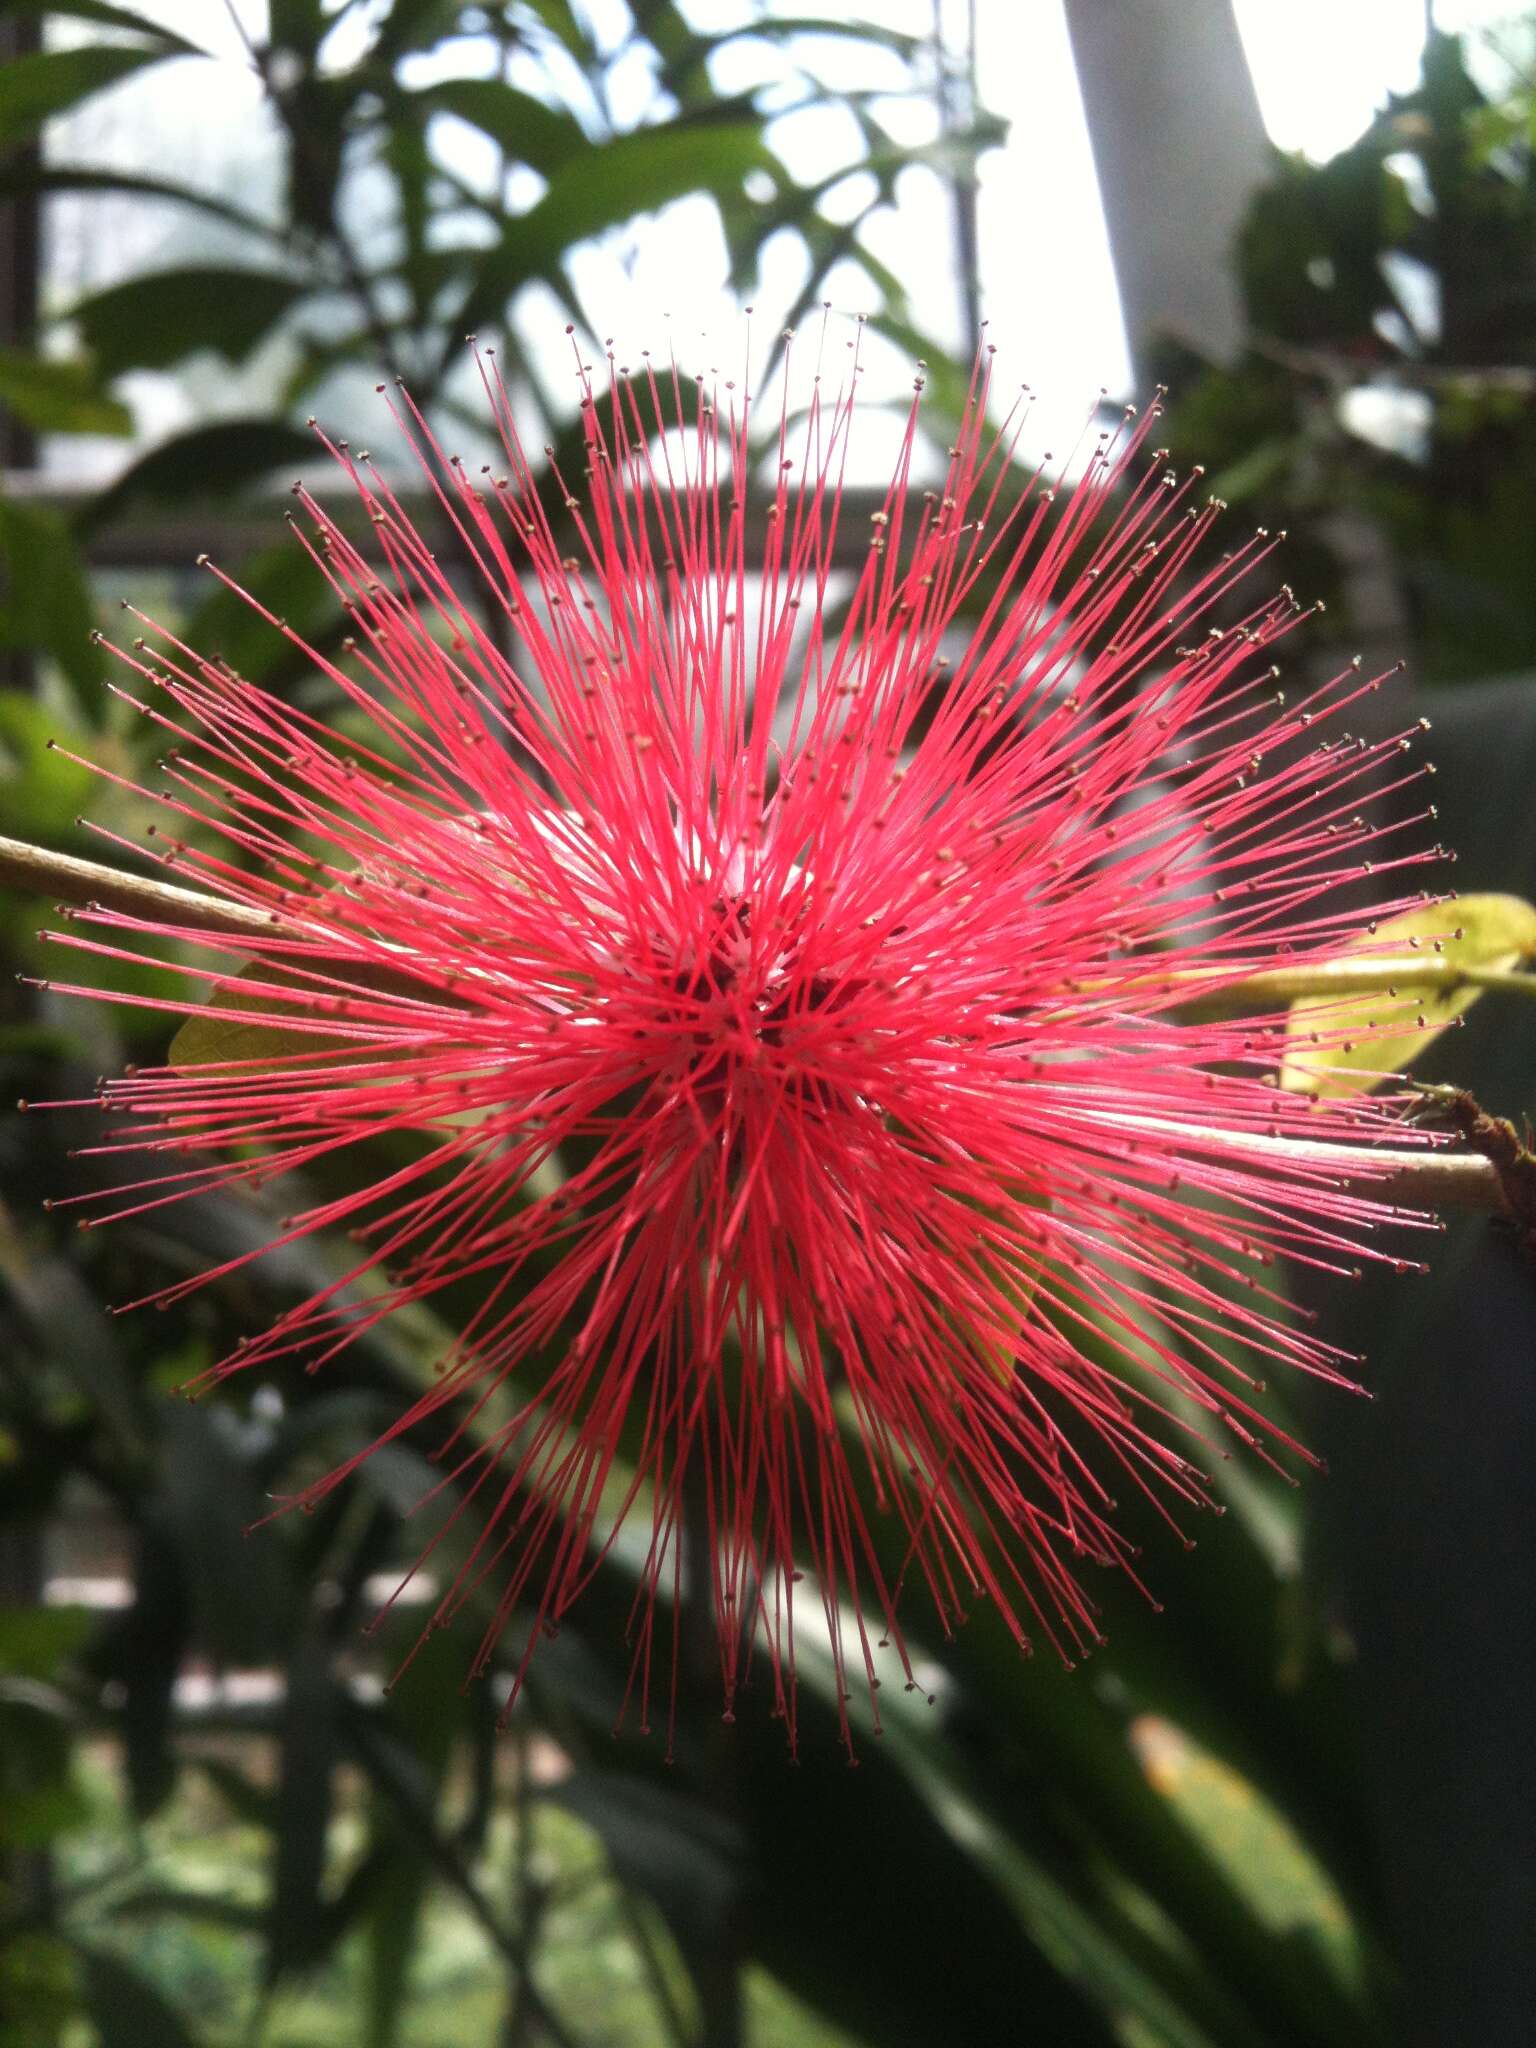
(392, 1770)
(173, 536)
(672, 2019)
(1342, 371)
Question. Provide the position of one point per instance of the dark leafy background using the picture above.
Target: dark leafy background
(1290, 1811)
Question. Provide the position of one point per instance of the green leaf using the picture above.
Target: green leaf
(126, 2009)
(346, 347)
(39, 1993)
(1310, 249)
(1260, 467)
(23, 177)
(525, 128)
(156, 319)
(1012, 1276)
(1098, 1942)
(210, 1039)
(559, 19)
(108, 16)
(1255, 1845)
(48, 609)
(59, 397)
(38, 1794)
(608, 185)
(1345, 1043)
(413, 25)
(687, 1859)
(1001, 1277)
(211, 1501)
(204, 462)
(35, 1641)
(42, 792)
(62, 1322)
(43, 84)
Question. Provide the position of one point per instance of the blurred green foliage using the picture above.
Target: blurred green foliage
(1390, 376)
(215, 1827)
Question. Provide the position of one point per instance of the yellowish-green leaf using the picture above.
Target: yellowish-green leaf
(214, 1038)
(1424, 969)
(1265, 1861)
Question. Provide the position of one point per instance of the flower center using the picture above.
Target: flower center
(743, 1024)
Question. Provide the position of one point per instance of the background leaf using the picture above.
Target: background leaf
(203, 463)
(106, 15)
(59, 397)
(149, 322)
(126, 2009)
(43, 84)
(526, 129)
(48, 602)
(1494, 932)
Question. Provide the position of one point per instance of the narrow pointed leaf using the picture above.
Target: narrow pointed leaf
(155, 319)
(205, 462)
(43, 84)
(109, 16)
(525, 128)
(23, 176)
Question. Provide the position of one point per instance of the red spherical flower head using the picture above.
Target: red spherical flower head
(801, 982)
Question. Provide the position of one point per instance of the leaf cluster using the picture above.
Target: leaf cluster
(1389, 382)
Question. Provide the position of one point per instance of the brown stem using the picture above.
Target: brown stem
(40, 871)
(1388, 1173)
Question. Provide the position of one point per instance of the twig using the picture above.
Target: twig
(1389, 1173)
(67, 879)
(1337, 370)
(393, 1772)
(41, 871)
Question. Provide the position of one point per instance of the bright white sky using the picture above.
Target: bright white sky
(1320, 68)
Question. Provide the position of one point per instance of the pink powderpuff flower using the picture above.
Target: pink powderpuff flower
(801, 995)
